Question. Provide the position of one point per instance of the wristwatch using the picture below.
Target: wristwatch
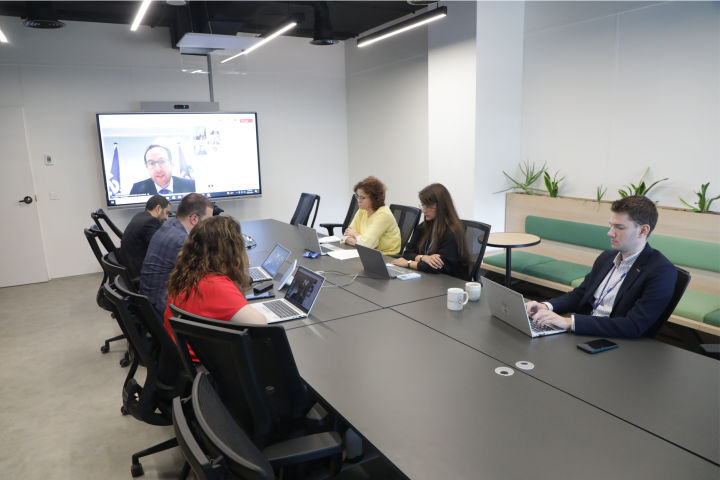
(421, 257)
(409, 263)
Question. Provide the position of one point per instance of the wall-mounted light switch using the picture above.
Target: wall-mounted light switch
(48, 159)
(54, 196)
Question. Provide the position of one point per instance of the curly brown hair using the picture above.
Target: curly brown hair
(214, 247)
(374, 188)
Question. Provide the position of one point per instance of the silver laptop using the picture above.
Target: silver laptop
(310, 241)
(271, 265)
(509, 306)
(299, 298)
(374, 261)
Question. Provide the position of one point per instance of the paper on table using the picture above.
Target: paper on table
(344, 254)
(332, 239)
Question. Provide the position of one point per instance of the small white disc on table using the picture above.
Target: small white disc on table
(523, 365)
(504, 371)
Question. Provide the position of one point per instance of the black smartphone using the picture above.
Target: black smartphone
(261, 295)
(596, 346)
(263, 287)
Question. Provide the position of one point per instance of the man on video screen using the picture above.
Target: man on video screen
(159, 164)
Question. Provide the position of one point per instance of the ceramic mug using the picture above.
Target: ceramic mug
(456, 298)
(473, 290)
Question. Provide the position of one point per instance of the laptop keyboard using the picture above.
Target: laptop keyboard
(257, 274)
(280, 308)
(540, 328)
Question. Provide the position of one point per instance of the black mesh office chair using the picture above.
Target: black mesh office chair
(683, 279)
(407, 219)
(476, 238)
(98, 215)
(352, 210)
(165, 376)
(304, 207)
(113, 269)
(226, 448)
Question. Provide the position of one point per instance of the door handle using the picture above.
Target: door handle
(27, 200)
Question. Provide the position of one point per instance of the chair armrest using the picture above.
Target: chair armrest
(317, 416)
(330, 226)
(304, 449)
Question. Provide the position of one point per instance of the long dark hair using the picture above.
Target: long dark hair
(445, 218)
(215, 246)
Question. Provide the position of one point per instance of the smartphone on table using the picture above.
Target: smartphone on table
(597, 346)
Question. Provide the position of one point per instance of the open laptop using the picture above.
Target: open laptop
(373, 261)
(299, 298)
(310, 241)
(509, 306)
(271, 265)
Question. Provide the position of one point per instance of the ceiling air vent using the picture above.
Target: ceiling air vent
(41, 15)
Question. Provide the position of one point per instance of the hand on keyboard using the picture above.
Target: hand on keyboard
(547, 317)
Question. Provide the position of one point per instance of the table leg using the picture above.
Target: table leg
(508, 270)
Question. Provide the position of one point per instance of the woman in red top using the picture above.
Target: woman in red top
(211, 273)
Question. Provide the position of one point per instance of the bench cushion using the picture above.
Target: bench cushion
(519, 261)
(696, 305)
(558, 271)
(576, 233)
(576, 283)
(713, 318)
(687, 252)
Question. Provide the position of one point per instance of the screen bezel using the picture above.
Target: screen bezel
(310, 274)
(212, 199)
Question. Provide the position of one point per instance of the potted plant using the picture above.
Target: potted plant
(703, 203)
(530, 177)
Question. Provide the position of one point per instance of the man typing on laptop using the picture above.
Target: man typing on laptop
(628, 287)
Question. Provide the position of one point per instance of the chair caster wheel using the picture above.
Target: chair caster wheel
(104, 349)
(124, 410)
(136, 470)
(124, 362)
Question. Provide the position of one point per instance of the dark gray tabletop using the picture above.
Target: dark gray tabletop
(436, 409)
(670, 392)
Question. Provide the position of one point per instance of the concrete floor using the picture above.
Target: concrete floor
(60, 397)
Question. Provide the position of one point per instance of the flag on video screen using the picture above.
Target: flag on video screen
(114, 180)
(185, 171)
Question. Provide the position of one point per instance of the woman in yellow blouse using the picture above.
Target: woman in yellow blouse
(374, 225)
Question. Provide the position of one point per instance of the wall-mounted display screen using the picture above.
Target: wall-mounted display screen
(173, 154)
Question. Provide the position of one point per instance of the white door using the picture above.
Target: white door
(22, 257)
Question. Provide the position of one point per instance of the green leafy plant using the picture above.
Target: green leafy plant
(641, 189)
(552, 185)
(530, 177)
(600, 194)
(703, 203)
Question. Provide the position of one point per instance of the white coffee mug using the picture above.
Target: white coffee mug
(456, 298)
(473, 290)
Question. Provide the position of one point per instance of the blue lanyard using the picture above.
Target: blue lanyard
(602, 297)
(427, 249)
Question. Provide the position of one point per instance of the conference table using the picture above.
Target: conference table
(420, 384)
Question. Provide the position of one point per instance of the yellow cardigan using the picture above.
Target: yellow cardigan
(379, 231)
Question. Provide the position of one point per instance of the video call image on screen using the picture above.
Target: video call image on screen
(173, 154)
(304, 290)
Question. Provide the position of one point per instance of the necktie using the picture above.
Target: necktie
(165, 191)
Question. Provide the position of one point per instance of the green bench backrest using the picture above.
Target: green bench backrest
(680, 251)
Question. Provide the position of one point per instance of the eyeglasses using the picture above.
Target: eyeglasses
(154, 165)
(427, 207)
(359, 198)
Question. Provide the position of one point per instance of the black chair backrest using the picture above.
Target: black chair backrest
(304, 207)
(254, 371)
(223, 437)
(203, 467)
(407, 219)
(99, 214)
(113, 269)
(352, 210)
(476, 238)
(683, 279)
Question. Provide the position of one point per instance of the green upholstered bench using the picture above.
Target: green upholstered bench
(693, 307)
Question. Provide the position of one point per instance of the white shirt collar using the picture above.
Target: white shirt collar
(629, 260)
(169, 187)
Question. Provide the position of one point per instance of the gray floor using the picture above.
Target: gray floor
(60, 397)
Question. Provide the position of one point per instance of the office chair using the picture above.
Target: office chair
(352, 210)
(407, 219)
(476, 238)
(683, 279)
(100, 214)
(304, 207)
(165, 376)
(226, 448)
(113, 269)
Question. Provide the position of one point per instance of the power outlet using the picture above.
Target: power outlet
(48, 160)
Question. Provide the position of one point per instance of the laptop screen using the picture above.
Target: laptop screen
(304, 289)
(275, 260)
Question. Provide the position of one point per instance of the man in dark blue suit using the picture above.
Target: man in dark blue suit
(159, 163)
(629, 286)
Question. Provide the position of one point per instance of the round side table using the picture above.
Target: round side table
(508, 241)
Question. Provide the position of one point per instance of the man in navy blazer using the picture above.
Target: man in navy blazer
(629, 286)
(159, 163)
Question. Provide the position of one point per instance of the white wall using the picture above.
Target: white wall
(62, 78)
(606, 96)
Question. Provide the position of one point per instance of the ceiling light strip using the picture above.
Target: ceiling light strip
(264, 40)
(401, 27)
(140, 14)
(3, 38)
